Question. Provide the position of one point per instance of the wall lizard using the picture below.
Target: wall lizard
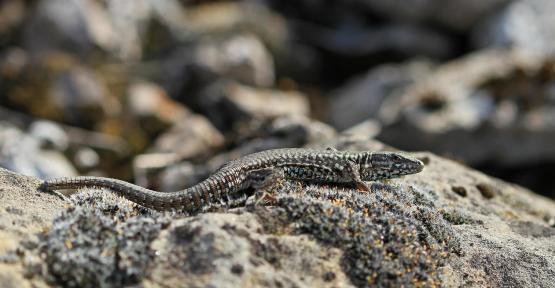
(228, 186)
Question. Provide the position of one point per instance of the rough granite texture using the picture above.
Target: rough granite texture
(447, 226)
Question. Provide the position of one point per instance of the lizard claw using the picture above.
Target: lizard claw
(361, 186)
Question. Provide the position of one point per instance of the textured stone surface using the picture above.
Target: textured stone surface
(412, 231)
(24, 214)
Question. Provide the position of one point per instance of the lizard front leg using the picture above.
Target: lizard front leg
(351, 172)
(265, 181)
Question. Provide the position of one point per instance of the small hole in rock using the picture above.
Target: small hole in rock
(459, 190)
(487, 190)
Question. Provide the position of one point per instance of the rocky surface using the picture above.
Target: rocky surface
(25, 214)
(448, 226)
(492, 109)
(37, 152)
(162, 93)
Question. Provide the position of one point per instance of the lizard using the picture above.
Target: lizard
(228, 185)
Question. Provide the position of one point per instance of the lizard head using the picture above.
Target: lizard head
(382, 165)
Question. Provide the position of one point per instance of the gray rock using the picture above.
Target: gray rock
(227, 104)
(489, 106)
(81, 96)
(362, 97)
(242, 253)
(195, 68)
(49, 134)
(103, 251)
(154, 110)
(240, 18)
(491, 109)
(524, 24)
(23, 215)
(35, 154)
(63, 25)
(115, 27)
(243, 58)
(133, 22)
(245, 43)
(414, 230)
(191, 137)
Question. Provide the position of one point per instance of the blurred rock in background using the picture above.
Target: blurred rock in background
(163, 92)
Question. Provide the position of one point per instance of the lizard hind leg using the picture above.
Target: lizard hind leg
(265, 182)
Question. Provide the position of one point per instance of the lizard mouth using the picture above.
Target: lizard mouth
(408, 166)
(417, 166)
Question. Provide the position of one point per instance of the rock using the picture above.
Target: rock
(107, 242)
(49, 134)
(115, 28)
(79, 27)
(227, 104)
(59, 88)
(191, 137)
(470, 96)
(407, 231)
(154, 109)
(240, 18)
(362, 97)
(12, 63)
(66, 24)
(492, 109)
(35, 154)
(24, 214)
(365, 130)
(145, 28)
(85, 148)
(244, 43)
(82, 97)
(214, 247)
(524, 24)
(240, 57)
(237, 56)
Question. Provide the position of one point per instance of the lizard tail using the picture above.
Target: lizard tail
(189, 199)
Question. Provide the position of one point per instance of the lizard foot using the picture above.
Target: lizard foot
(362, 186)
(265, 182)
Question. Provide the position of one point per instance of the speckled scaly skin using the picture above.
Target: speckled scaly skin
(227, 186)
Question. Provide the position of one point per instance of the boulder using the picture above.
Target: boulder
(446, 226)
